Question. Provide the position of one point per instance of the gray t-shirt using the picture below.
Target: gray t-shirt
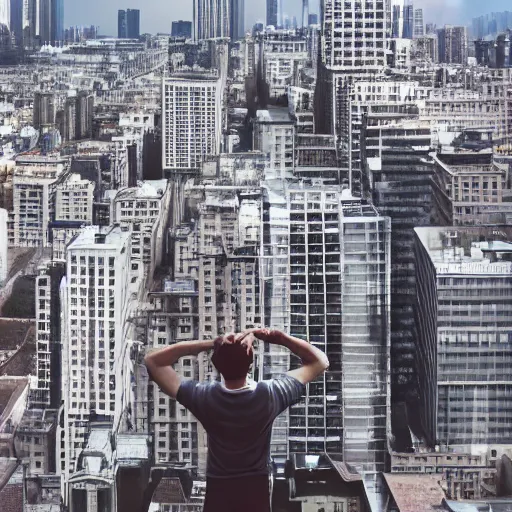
(239, 422)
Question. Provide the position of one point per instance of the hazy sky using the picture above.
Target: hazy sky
(157, 15)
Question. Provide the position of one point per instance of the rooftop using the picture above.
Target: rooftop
(111, 238)
(147, 189)
(277, 115)
(415, 493)
(468, 250)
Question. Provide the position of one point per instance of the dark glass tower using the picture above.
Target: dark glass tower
(121, 24)
(133, 23)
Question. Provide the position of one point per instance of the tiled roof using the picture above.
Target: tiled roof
(169, 492)
(415, 493)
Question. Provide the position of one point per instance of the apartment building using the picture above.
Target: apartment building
(463, 297)
(48, 335)
(284, 54)
(74, 198)
(96, 373)
(470, 187)
(397, 176)
(192, 120)
(273, 135)
(338, 246)
(144, 210)
(34, 181)
(453, 45)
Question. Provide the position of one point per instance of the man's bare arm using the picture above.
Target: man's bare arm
(314, 361)
(159, 363)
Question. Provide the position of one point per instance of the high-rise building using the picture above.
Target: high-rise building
(419, 27)
(95, 337)
(192, 120)
(212, 18)
(5, 14)
(453, 45)
(305, 13)
(464, 338)
(313, 19)
(4, 264)
(237, 19)
(44, 110)
(16, 21)
(339, 301)
(122, 27)
(133, 23)
(84, 115)
(273, 13)
(51, 21)
(30, 23)
(402, 19)
(408, 31)
(181, 29)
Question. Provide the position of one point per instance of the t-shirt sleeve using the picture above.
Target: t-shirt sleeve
(194, 396)
(285, 391)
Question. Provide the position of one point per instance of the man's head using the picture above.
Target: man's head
(232, 360)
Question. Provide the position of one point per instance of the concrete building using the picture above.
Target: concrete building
(192, 120)
(463, 299)
(96, 372)
(453, 45)
(334, 239)
(34, 183)
(145, 210)
(74, 198)
(426, 49)
(284, 55)
(470, 187)
(274, 136)
(4, 243)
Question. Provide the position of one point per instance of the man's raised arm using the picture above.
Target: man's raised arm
(159, 363)
(314, 361)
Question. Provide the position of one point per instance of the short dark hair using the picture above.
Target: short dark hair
(232, 360)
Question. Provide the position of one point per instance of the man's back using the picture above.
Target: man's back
(239, 422)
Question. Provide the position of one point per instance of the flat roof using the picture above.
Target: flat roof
(278, 115)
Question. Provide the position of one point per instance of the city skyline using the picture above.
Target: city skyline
(158, 16)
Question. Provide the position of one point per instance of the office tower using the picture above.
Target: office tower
(51, 21)
(397, 178)
(339, 300)
(4, 264)
(84, 115)
(408, 30)
(237, 19)
(181, 29)
(453, 45)
(122, 27)
(313, 19)
(464, 337)
(305, 13)
(34, 182)
(48, 335)
(419, 27)
(95, 337)
(16, 21)
(397, 18)
(272, 13)
(5, 14)
(192, 120)
(212, 18)
(133, 23)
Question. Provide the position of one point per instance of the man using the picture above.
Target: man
(237, 415)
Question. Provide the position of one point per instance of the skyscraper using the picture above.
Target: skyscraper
(16, 21)
(212, 18)
(5, 16)
(181, 29)
(272, 12)
(121, 24)
(419, 28)
(51, 21)
(408, 21)
(133, 23)
(237, 19)
(453, 45)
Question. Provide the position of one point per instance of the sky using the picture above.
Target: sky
(157, 15)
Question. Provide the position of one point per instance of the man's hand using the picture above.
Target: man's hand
(260, 333)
